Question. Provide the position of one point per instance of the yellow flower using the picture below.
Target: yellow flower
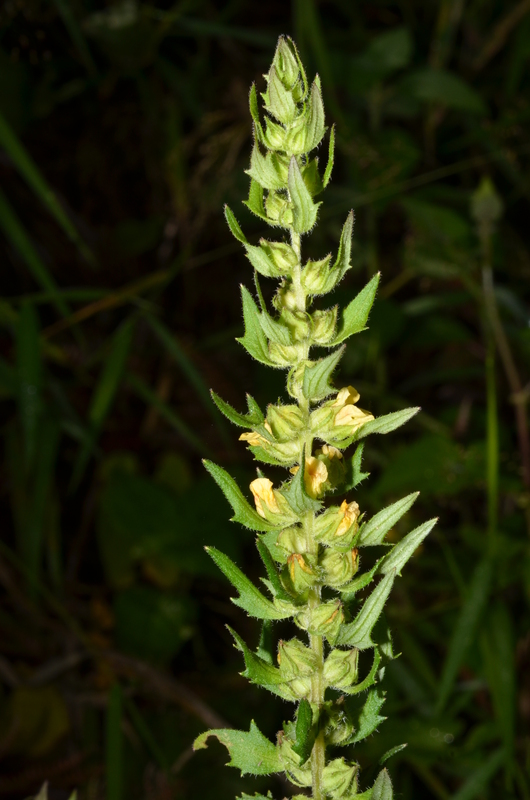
(330, 452)
(262, 490)
(315, 475)
(254, 439)
(351, 514)
(349, 414)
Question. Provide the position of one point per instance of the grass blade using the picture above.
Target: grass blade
(465, 629)
(104, 393)
(35, 179)
(114, 745)
(29, 369)
(174, 348)
(152, 399)
(19, 239)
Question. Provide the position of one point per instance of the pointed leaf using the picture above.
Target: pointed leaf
(355, 315)
(315, 127)
(365, 714)
(274, 330)
(318, 375)
(354, 474)
(366, 683)
(383, 787)
(249, 420)
(331, 158)
(257, 670)
(304, 210)
(233, 224)
(254, 341)
(281, 102)
(272, 571)
(404, 549)
(388, 422)
(254, 112)
(342, 264)
(358, 633)
(392, 752)
(296, 495)
(243, 511)
(250, 597)
(261, 262)
(262, 169)
(349, 591)
(374, 531)
(305, 732)
(250, 752)
(255, 200)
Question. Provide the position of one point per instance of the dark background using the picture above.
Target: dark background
(124, 129)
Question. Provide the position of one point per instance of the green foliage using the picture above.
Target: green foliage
(250, 752)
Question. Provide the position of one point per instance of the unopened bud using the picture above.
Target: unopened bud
(292, 540)
(281, 254)
(339, 568)
(284, 355)
(299, 323)
(286, 422)
(285, 63)
(338, 777)
(285, 297)
(296, 660)
(324, 324)
(302, 575)
(338, 726)
(341, 668)
(274, 135)
(332, 458)
(315, 275)
(279, 209)
(323, 620)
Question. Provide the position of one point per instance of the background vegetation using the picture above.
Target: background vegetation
(124, 127)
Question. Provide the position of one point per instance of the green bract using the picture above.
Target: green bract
(310, 550)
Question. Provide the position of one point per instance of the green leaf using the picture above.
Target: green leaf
(254, 112)
(383, 787)
(255, 200)
(254, 341)
(257, 669)
(465, 629)
(354, 475)
(305, 732)
(281, 102)
(304, 210)
(233, 224)
(274, 330)
(263, 170)
(261, 262)
(318, 375)
(404, 549)
(250, 420)
(349, 591)
(342, 263)
(243, 511)
(315, 127)
(368, 681)
(365, 714)
(331, 157)
(29, 373)
(250, 598)
(388, 422)
(481, 778)
(296, 495)
(358, 633)
(392, 752)
(250, 752)
(355, 315)
(272, 571)
(374, 531)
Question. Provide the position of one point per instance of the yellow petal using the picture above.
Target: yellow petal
(262, 491)
(315, 475)
(254, 439)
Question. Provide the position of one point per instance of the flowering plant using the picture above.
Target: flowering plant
(310, 550)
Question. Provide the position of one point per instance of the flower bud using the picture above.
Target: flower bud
(332, 458)
(264, 497)
(279, 99)
(292, 540)
(324, 324)
(278, 209)
(281, 254)
(285, 297)
(299, 323)
(348, 416)
(296, 138)
(323, 620)
(285, 63)
(339, 568)
(300, 572)
(286, 422)
(337, 527)
(339, 728)
(341, 668)
(284, 355)
(315, 476)
(315, 275)
(321, 420)
(300, 776)
(297, 688)
(274, 135)
(296, 660)
(338, 777)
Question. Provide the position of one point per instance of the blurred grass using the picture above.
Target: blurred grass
(123, 129)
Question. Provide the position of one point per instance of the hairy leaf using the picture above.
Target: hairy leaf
(355, 315)
(257, 669)
(233, 224)
(383, 787)
(296, 494)
(254, 341)
(358, 632)
(255, 200)
(350, 589)
(250, 420)
(305, 732)
(274, 330)
(272, 571)
(243, 511)
(318, 375)
(388, 422)
(354, 474)
(392, 752)
(250, 598)
(315, 127)
(365, 713)
(404, 549)
(374, 531)
(331, 156)
(250, 752)
(369, 680)
(304, 210)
